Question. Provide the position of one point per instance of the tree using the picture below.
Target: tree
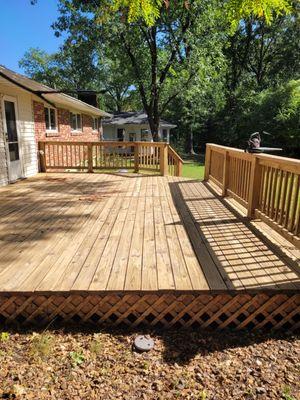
(150, 11)
(42, 67)
(70, 71)
(116, 81)
(163, 59)
(71, 68)
(201, 61)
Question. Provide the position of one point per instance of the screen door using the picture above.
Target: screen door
(12, 139)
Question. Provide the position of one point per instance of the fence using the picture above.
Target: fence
(90, 156)
(268, 186)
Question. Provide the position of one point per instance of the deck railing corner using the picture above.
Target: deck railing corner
(267, 186)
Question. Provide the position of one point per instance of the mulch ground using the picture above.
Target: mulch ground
(183, 365)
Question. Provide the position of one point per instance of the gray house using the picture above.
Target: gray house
(133, 126)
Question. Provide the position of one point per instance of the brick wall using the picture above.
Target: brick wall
(63, 126)
(39, 120)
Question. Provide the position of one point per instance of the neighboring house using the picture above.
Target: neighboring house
(29, 112)
(133, 126)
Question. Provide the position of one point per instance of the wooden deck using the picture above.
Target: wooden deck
(69, 235)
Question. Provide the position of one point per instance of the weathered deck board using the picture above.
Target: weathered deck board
(101, 232)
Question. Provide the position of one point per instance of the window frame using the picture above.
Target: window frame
(164, 136)
(78, 130)
(144, 132)
(49, 130)
(97, 119)
(121, 139)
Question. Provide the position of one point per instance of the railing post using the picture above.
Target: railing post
(136, 158)
(179, 168)
(225, 173)
(164, 159)
(90, 157)
(42, 157)
(207, 162)
(254, 186)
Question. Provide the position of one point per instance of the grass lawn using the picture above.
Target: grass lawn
(193, 169)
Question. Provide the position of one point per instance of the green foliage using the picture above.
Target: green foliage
(42, 67)
(77, 358)
(261, 9)
(182, 61)
(96, 345)
(150, 10)
(41, 345)
(275, 110)
(71, 68)
(203, 395)
(4, 336)
(286, 393)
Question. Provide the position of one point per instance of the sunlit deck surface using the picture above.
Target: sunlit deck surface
(108, 232)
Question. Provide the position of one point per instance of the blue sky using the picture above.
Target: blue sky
(22, 26)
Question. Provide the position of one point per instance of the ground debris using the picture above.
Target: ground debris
(183, 365)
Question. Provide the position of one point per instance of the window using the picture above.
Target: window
(165, 135)
(75, 122)
(120, 134)
(50, 119)
(132, 137)
(144, 135)
(96, 124)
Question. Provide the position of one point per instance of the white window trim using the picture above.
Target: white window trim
(98, 123)
(56, 120)
(80, 130)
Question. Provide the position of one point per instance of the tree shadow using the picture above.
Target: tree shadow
(177, 346)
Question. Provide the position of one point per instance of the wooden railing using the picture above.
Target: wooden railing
(268, 186)
(106, 155)
(175, 162)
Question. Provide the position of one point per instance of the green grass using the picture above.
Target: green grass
(193, 169)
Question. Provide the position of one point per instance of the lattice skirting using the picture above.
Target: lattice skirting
(216, 311)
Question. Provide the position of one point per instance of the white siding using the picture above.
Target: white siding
(110, 132)
(28, 150)
(3, 165)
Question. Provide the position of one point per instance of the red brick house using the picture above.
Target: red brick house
(31, 111)
(75, 121)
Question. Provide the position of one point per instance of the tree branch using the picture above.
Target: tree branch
(192, 75)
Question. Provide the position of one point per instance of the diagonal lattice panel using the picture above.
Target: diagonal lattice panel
(216, 311)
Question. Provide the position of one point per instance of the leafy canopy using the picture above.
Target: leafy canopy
(149, 10)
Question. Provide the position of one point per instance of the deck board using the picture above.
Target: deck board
(102, 232)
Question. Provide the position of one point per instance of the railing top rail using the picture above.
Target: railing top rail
(105, 142)
(224, 148)
(175, 153)
(278, 161)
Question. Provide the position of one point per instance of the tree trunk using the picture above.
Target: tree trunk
(154, 126)
(192, 152)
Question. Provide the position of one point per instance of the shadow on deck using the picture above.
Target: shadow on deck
(244, 257)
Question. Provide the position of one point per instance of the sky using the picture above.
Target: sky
(22, 26)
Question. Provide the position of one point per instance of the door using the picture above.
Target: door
(12, 138)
